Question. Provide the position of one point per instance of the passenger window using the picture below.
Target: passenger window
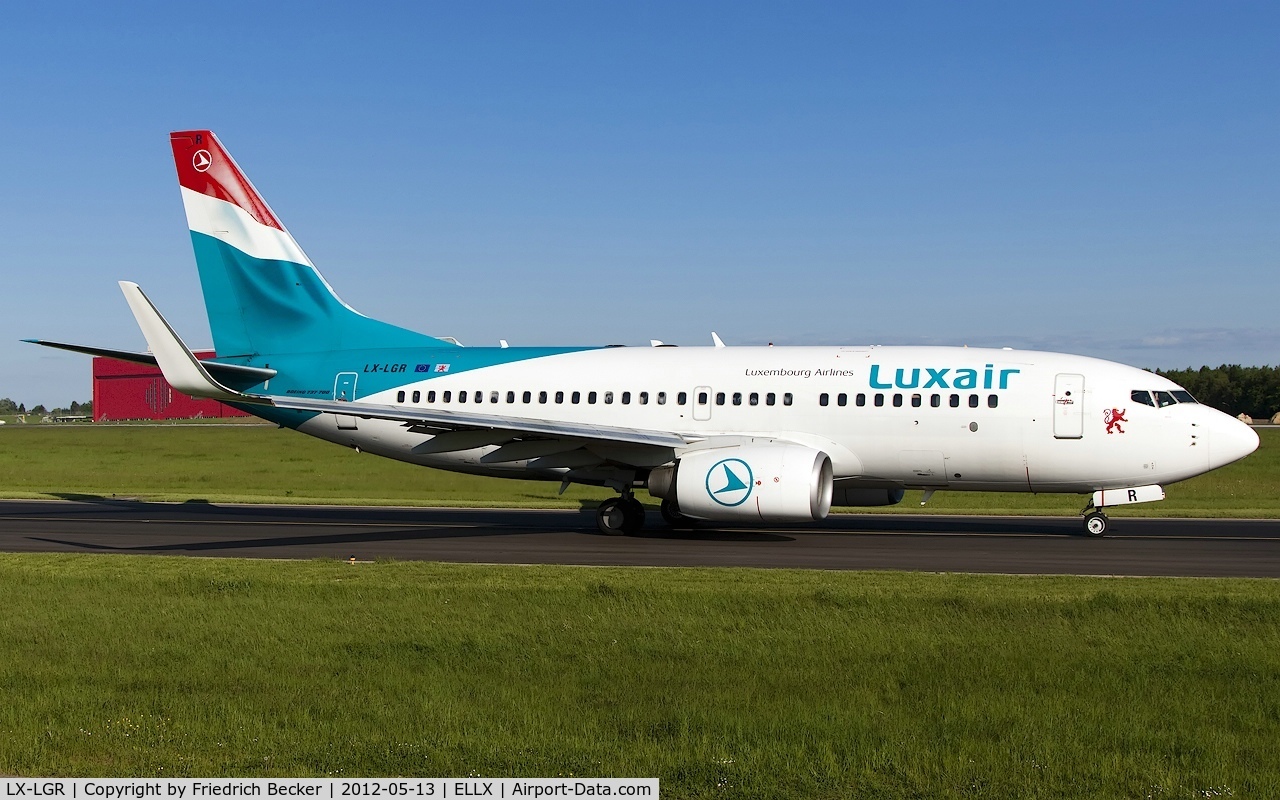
(879, 400)
(591, 397)
(935, 400)
(1183, 396)
(754, 398)
(681, 398)
(399, 397)
(493, 397)
(915, 401)
(770, 399)
(955, 401)
(480, 397)
(626, 398)
(448, 396)
(527, 397)
(860, 400)
(575, 398)
(644, 398)
(608, 397)
(431, 396)
(786, 398)
(993, 401)
(703, 398)
(842, 399)
(1164, 399)
(737, 398)
(823, 399)
(542, 397)
(559, 397)
(973, 401)
(719, 398)
(511, 397)
(417, 397)
(897, 401)
(462, 397)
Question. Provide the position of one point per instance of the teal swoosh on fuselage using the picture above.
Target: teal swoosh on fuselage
(314, 375)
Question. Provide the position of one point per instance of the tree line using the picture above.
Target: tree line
(1232, 388)
(7, 406)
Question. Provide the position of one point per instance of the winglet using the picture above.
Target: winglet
(181, 369)
(716, 340)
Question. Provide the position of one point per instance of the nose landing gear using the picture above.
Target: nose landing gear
(1095, 523)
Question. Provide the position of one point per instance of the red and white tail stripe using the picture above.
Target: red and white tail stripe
(221, 202)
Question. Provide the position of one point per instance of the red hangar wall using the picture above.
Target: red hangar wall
(123, 390)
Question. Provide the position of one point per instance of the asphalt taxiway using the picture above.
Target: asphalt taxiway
(1016, 545)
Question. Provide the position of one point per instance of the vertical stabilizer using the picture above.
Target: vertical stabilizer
(262, 293)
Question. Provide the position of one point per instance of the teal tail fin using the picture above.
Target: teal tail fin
(262, 293)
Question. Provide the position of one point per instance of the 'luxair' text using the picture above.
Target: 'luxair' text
(943, 378)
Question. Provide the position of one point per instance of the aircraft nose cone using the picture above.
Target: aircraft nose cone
(1230, 440)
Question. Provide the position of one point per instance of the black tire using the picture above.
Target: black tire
(633, 513)
(1095, 525)
(611, 517)
(672, 516)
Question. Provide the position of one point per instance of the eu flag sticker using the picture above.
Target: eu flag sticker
(422, 368)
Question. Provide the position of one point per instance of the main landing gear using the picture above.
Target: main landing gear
(620, 516)
(672, 516)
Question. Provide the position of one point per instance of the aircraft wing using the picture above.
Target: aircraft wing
(190, 375)
(465, 420)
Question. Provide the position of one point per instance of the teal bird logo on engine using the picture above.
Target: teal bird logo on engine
(730, 481)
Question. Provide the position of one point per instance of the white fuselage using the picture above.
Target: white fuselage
(908, 417)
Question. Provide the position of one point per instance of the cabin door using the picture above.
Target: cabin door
(702, 403)
(1068, 406)
(344, 391)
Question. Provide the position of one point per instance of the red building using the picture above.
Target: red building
(124, 390)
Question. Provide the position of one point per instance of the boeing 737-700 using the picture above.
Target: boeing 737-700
(724, 434)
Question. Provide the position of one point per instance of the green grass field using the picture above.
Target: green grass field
(723, 683)
(240, 463)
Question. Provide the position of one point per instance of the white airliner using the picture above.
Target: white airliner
(734, 434)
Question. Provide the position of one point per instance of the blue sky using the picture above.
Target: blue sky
(1093, 178)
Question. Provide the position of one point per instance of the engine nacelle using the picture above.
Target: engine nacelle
(758, 483)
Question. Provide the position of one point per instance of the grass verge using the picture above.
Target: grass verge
(257, 464)
(735, 683)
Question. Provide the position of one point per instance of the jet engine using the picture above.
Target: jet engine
(775, 482)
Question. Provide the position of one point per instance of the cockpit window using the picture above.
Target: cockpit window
(1142, 396)
(1164, 399)
(1183, 396)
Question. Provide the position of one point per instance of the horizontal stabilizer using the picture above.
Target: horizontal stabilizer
(231, 373)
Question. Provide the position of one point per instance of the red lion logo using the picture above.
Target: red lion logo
(1113, 417)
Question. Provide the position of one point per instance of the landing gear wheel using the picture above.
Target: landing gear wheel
(672, 516)
(1095, 524)
(633, 516)
(611, 517)
(620, 516)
